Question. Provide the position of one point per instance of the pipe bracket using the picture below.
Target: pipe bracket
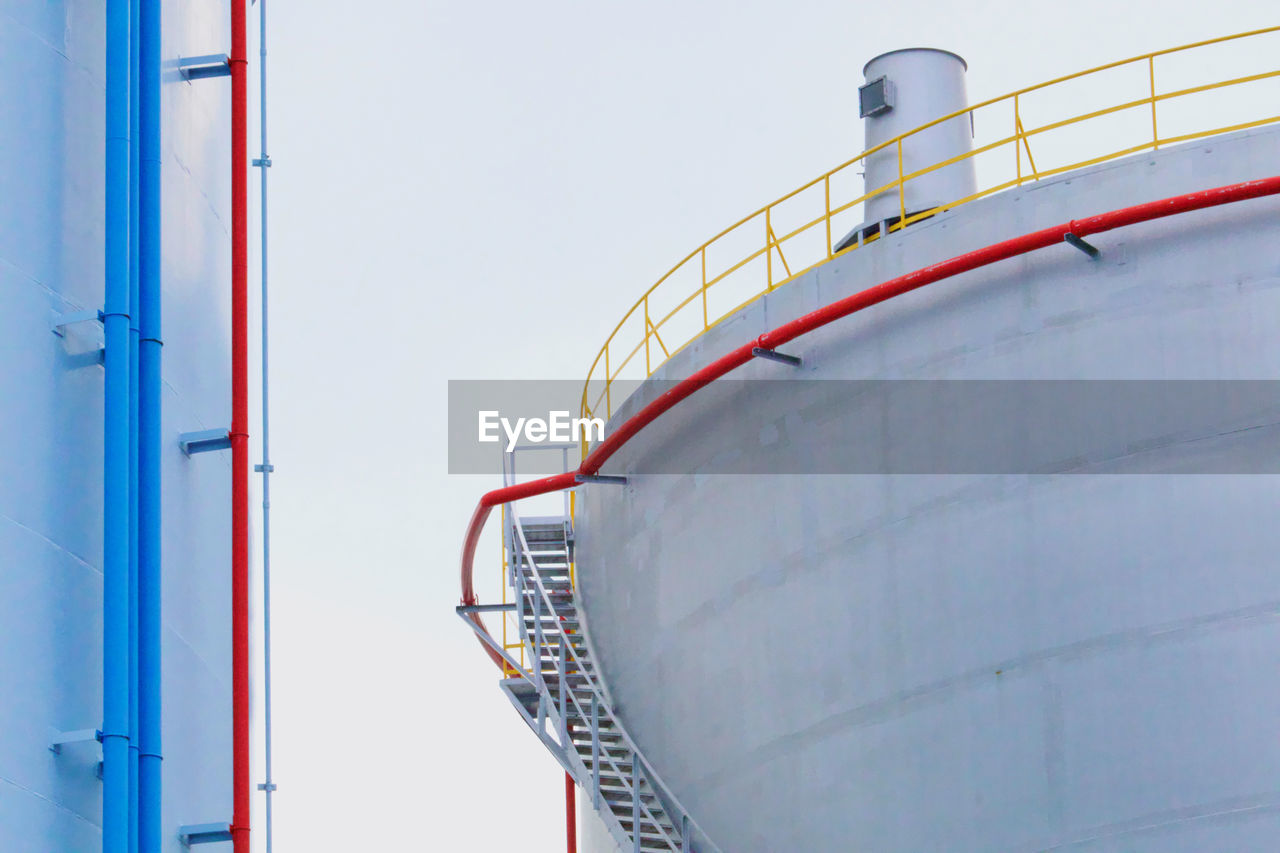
(204, 833)
(774, 355)
(204, 441)
(600, 479)
(79, 736)
(61, 321)
(1086, 247)
(463, 609)
(200, 67)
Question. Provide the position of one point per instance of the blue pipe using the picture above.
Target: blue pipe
(134, 335)
(264, 162)
(115, 510)
(149, 421)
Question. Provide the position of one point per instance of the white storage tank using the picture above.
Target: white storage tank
(51, 422)
(1006, 661)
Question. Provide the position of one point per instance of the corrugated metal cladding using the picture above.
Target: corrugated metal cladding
(51, 393)
(942, 663)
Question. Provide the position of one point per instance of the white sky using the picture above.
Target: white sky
(479, 191)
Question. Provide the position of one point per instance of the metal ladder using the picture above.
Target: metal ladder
(562, 699)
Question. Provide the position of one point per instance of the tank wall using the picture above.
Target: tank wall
(51, 246)
(1074, 662)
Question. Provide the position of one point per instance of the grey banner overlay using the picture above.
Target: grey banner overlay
(899, 427)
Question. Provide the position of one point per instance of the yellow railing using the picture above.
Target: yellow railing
(794, 234)
(511, 640)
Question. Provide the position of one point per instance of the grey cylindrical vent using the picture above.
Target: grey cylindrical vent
(905, 89)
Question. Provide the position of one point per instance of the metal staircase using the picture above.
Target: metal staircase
(561, 699)
(559, 693)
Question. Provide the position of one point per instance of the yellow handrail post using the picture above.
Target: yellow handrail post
(608, 383)
(666, 353)
(902, 191)
(1151, 73)
(1026, 143)
(502, 566)
(777, 244)
(705, 323)
(1017, 137)
(826, 192)
(768, 246)
(573, 516)
(647, 324)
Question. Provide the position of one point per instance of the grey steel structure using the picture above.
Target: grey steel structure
(51, 422)
(1081, 661)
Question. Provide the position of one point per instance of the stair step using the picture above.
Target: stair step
(528, 589)
(650, 835)
(547, 574)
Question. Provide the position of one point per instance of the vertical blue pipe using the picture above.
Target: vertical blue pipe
(264, 162)
(133, 424)
(115, 510)
(149, 421)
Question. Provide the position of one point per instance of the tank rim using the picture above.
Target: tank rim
(910, 49)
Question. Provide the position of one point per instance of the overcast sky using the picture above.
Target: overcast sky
(480, 190)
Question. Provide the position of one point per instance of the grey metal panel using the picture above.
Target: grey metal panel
(51, 161)
(968, 662)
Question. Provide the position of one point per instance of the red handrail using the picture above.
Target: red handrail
(1041, 239)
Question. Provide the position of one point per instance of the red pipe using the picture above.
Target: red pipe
(570, 814)
(841, 308)
(241, 793)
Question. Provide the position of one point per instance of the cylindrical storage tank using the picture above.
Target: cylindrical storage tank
(905, 89)
(1080, 655)
(52, 141)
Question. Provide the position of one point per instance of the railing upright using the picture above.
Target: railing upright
(1151, 74)
(595, 751)
(902, 189)
(635, 800)
(826, 194)
(705, 322)
(647, 369)
(563, 672)
(768, 246)
(1017, 138)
